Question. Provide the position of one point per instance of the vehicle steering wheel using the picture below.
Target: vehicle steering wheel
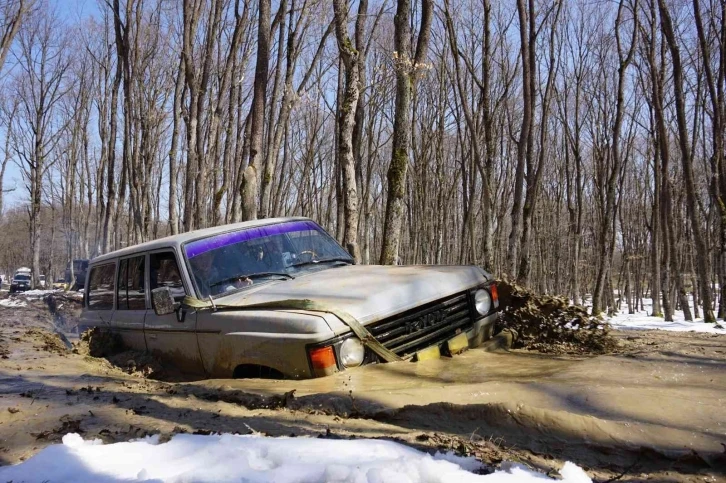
(308, 256)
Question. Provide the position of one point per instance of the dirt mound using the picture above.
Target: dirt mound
(103, 344)
(97, 343)
(49, 342)
(550, 323)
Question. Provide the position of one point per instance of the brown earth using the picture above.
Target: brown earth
(550, 324)
(655, 410)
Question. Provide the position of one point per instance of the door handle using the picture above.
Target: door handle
(152, 336)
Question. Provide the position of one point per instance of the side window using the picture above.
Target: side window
(101, 287)
(164, 272)
(131, 294)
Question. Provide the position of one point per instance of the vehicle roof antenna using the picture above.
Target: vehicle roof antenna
(211, 301)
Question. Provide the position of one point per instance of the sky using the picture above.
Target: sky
(69, 11)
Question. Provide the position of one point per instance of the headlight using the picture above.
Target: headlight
(482, 301)
(352, 352)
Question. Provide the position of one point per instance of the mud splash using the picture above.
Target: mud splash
(550, 324)
(106, 346)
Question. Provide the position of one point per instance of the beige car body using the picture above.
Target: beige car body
(277, 343)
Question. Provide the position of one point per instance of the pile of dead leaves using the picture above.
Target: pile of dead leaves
(550, 323)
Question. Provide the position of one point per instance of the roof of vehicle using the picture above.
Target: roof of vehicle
(175, 241)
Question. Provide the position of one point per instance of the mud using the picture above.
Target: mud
(550, 324)
(651, 411)
(107, 348)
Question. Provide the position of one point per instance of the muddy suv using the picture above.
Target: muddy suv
(281, 298)
(20, 282)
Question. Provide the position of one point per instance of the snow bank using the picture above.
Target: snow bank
(40, 293)
(641, 320)
(13, 303)
(229, 457)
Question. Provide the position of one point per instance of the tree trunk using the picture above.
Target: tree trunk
(702, 262)
(406, 73)
(250, 181)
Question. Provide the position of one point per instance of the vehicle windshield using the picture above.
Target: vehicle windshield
(239, 259)
(22, 277)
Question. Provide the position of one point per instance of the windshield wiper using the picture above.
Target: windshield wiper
(252, 276)
(347, 261)
(268, 274)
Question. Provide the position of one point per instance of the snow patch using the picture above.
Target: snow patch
(39, 293)
(13, 303)
(227, 457)
(642, 320)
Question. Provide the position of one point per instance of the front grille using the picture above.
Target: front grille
(424, 326)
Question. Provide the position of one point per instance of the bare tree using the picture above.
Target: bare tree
(407, 69)
(352, 57)
(39, 86)
(250, 179)
(613, 176)
(12, 14)
(702, 262)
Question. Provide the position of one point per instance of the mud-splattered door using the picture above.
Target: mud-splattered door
(173, 337)
(128, 319)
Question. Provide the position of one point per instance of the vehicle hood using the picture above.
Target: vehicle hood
(367, 292)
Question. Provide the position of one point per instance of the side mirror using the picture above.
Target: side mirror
(163, 301)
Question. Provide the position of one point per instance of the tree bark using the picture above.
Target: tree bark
(250, 181)
(702, 262)
(406, 73)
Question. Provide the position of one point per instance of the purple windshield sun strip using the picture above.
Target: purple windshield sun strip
(198, 247)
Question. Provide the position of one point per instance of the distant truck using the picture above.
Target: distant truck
(21, 280)
(24, 270)
(80, 267)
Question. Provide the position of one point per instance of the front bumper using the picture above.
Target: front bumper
(481, 330)
(20, 288)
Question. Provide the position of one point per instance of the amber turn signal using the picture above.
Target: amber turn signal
(322, 358)
(495, 294)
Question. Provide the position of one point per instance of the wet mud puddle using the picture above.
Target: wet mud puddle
(654, 410)
(402, 383)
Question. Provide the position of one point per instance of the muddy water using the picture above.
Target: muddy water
(655, 410)
(672, 399)
(440, 380)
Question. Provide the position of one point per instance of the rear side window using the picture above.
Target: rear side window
(101, 287)
(131, 284)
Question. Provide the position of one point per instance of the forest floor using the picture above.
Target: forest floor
(653, 410)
